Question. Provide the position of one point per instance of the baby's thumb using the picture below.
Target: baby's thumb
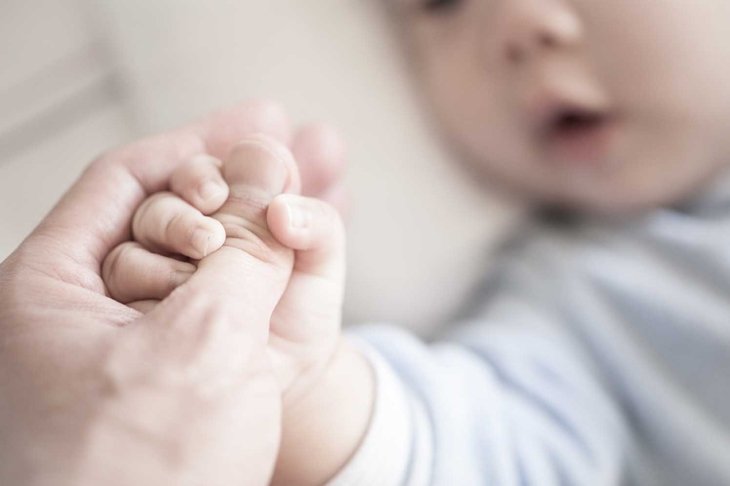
(315, 230)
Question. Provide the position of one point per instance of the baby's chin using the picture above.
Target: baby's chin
(631, 179)
(611, 203)
(609, 199)
(639, 176)
(604, 195)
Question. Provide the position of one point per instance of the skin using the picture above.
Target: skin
(488, 68)
(93, 386)
(312, 362)
(495, 73)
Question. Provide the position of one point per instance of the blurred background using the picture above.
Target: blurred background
(80, 76)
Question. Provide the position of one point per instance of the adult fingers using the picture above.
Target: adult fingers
(144, 306)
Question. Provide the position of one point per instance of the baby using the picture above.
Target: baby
(599, 351)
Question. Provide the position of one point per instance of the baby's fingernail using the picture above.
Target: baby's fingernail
(201, 240)
(299, 217)
(179, 277)
(210, 189)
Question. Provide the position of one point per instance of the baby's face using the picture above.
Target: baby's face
(604, 105)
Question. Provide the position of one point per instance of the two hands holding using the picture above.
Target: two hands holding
(201, 347)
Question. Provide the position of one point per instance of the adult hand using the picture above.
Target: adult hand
(95, 393)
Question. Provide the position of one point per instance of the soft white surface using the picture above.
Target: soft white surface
(417, 231)
(58, 108)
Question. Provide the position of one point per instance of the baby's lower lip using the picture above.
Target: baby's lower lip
(583, 144)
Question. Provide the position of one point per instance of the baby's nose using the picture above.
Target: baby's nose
(531, 27)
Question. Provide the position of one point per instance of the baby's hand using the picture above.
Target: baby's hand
(174, 231)
(171, 232)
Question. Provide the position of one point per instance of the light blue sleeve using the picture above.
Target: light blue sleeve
(510, 399)
(599, 356)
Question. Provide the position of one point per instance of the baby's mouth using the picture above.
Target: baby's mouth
(575, 122)
(575, 135)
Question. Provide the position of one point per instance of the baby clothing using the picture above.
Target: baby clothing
(599, 355)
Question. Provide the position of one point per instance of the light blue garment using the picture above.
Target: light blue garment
(599, 355)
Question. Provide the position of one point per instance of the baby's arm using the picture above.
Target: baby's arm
(505, 408)
(509, 400)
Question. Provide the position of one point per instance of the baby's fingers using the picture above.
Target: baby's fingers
(144, 306)
(200, 183)
(312, 227)
(131, 274)
(164, 222)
